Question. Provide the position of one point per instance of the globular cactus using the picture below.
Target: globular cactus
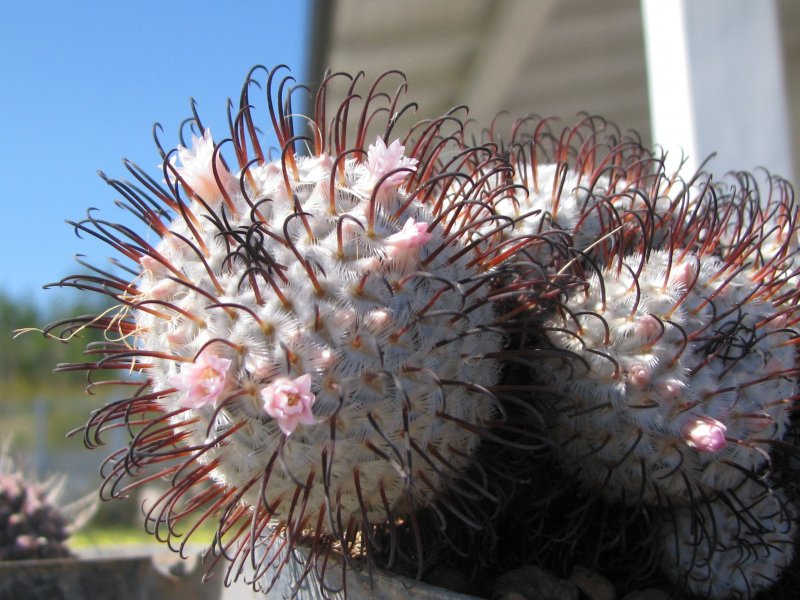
(669, 312)
(34, 523)
(662, 323)
(682, 377)
(734, 546)
(575, 191)
(320, 337)
(315, 333)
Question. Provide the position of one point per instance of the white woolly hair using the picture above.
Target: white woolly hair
(666, 344)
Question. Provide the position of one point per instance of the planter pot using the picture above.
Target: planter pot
(382, 586)
(134, 578)
(361, 585)
(166, 577)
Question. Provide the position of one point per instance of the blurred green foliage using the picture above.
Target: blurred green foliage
(27, 359)
(27, 381)
(39, 407)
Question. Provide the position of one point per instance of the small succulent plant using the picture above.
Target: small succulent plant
(34, 523)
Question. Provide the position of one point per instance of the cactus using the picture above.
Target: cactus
(559, 206)
(683, 377)
(323, 340)
(667, 322)
(734, 546)
(34, 523)
(658, 319)
(315, 334)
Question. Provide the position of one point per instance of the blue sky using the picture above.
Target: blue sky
(82, 84)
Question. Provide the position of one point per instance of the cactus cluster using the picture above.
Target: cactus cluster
(325, 341)
(34, 523)
(668, 356)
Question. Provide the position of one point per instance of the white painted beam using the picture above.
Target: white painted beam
(716, 83)
(509, 37)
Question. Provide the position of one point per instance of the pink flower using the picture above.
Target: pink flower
(706, 435)
(413, 235)
(289, 402)
(382, 159)
(202, 381)
(196, 169)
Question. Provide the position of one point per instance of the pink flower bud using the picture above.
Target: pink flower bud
(289, 401)
(706, 435)
(203, 381)
(649, 329)
(413, 235)
(163, 289)
(151, 264)
(682, 274)
(196, 168)
(382, 159)
(639, 375)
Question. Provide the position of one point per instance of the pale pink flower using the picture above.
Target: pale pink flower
(289, 401)
(196, 170)
(706, 435)
(203, 381)
(163, 289)
(382, 159)
(413, 235)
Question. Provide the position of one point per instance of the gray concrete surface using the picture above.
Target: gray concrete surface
(167, 562)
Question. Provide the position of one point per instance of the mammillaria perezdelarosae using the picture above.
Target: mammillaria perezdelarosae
(321, 336)
(314, 333)
(667, 345)
(684, 377)
(734, 546)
